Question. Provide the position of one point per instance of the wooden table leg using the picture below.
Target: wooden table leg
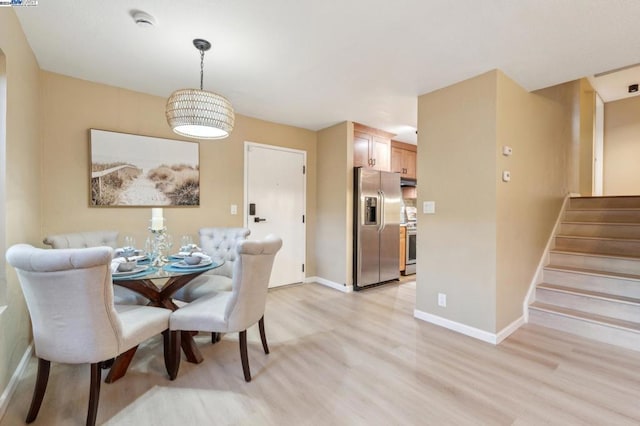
(189, 347)
(120, 365)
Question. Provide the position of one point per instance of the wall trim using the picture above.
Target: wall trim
(15, 378)
(467, 330)
(510, 329)
(334, 285)
(544, 259)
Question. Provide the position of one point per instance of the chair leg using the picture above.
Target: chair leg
(243, 356)
(94, 393)
(38, 392)
(263, 336)
(174, 354)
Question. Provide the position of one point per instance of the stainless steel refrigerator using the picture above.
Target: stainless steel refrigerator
(376, 227)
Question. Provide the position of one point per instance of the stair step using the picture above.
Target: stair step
(595, 261)
(615, 202)
(600, 229)
(603, 215)
(598, 327)
(594, 302)
(615, 283)
(599, 245)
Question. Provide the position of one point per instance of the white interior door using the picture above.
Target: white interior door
(275, 187)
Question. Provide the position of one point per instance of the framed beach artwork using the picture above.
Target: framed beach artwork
(134, 171)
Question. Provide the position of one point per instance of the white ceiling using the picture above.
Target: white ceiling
(316, 63)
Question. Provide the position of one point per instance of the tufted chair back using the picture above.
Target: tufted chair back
(83, 240)
(123, 296)
(70, 300)
(221, 243)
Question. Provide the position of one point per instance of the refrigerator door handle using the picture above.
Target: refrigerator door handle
(381, 207)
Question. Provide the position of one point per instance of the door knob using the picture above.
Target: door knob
(259, 219)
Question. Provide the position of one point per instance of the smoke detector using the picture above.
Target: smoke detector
(143, 19)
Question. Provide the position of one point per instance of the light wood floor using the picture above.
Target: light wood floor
(358, 359)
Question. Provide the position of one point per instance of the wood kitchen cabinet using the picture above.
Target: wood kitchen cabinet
(371, 148)
(403, 248)
(403, 159)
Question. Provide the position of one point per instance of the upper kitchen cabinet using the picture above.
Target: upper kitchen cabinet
(371, 148)
(403, 159)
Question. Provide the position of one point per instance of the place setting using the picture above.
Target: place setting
(130, 262)
(190, 257)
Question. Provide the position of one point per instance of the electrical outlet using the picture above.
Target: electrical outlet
(442, 300)
(234, 209)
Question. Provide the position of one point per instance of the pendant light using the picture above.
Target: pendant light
(198, 113)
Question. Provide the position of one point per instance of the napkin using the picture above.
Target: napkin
(115, 262)
(140, 257)
(205, 257)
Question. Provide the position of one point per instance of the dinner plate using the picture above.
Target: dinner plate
(182, 264)
(135, 270)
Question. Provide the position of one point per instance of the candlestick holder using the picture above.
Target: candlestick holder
(161, 245)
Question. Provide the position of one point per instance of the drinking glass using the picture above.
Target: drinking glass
(185, 242)
(129, 242)
(150, 248)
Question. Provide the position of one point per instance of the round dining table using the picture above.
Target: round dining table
(159, 284)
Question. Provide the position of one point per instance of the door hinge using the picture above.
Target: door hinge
(303, 267)
(304, 169)
(302, 218)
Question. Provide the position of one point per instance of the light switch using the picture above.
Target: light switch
(429, 207)
(506, 176)
(507, 151)
(234, 209)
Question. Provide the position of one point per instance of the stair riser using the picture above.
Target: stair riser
(602, 216)
(605, 202)
(611, 285)
(614, 336)
(612, 247)
(624, 266)
(613, 309)
(600, 230)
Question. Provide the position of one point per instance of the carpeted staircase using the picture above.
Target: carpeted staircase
(591, 286)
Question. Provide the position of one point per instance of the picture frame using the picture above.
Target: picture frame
(129, 170)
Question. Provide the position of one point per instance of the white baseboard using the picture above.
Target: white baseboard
(13, 383)
(508, 330)
(476, 333)
(340, 287)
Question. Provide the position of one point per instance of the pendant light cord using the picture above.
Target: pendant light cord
(201, 67)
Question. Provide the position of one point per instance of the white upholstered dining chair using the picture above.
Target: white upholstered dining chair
(123, 296)
(235, 310)
(69, 295)
(219, 243)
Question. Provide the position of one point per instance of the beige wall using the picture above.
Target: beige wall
(456, 248)
(587, 121)
(527, 207)
(335, 177)
(70, 107)
(23, 190)
(482, 246)
(622, 147)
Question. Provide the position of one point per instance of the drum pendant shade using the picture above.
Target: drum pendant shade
(199, 113)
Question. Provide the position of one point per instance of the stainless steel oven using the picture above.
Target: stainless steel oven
(410, 261)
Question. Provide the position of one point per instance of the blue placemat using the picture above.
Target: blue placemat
(171, 268)
(136, 275)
